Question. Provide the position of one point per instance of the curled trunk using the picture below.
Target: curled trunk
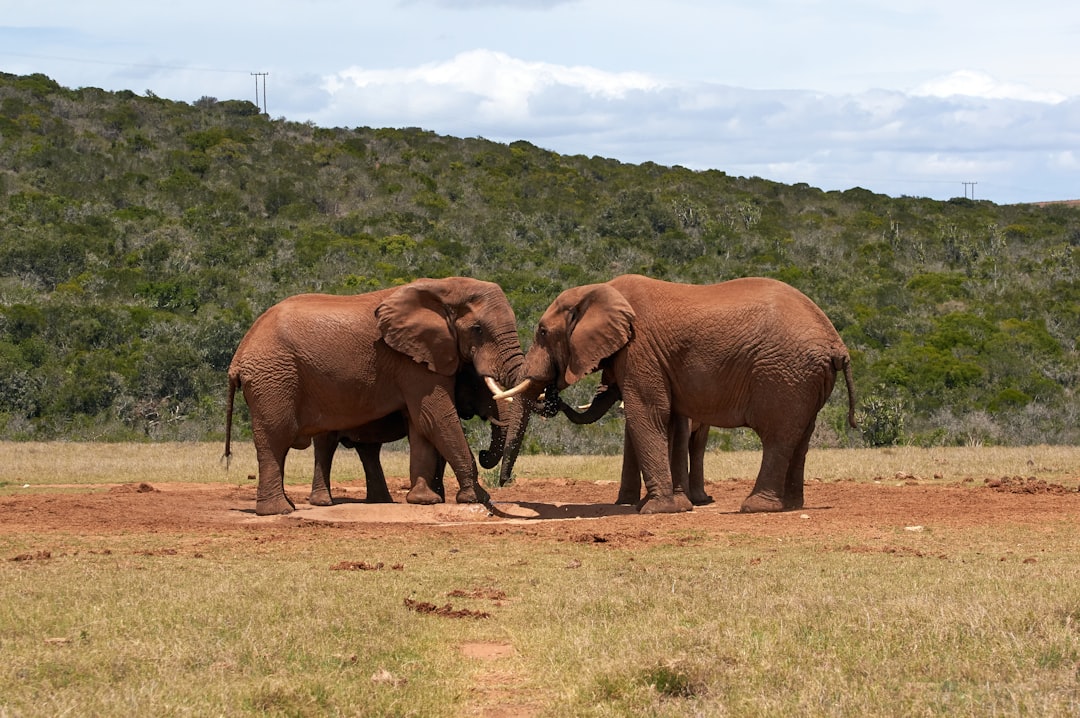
(603, 400)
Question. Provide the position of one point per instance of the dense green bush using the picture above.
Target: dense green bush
(139, 238)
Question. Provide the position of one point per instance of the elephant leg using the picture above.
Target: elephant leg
(795, 480)
(377, 490)
(423, 464)
(678, 453)
(650, 441)
(325, 446)
(438, 484)
(768, 493)
(270, 497)
(630, 481)
(434, 431)
(699, 440)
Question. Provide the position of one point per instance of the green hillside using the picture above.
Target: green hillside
(139, 238)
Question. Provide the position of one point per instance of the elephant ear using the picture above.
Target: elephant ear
(415, 321)
(600, 324)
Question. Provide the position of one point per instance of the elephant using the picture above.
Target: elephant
(750, 352)
(472, 398)
(316, 364)
(687, 450)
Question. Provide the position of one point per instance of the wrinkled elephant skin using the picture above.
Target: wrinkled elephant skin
(316, 364)
(749, 352)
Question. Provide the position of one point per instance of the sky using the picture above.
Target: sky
(907, 97)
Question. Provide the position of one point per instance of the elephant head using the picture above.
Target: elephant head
(581, 328)
(463, 327)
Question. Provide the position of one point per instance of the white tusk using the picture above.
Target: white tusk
(496, 390)
(510, 393)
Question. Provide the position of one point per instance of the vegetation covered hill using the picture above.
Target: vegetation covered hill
(140, 237)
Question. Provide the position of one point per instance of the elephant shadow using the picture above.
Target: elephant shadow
(537, 511)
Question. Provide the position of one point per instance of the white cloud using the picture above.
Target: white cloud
(501, 87)
(970, 83)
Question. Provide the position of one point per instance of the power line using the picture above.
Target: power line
(263, 75)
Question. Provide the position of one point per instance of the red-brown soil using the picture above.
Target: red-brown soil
(546, 510)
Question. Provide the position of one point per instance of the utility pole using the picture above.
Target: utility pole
(972, 184)
(264, 76)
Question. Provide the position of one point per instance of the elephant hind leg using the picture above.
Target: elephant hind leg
(374, 478)
(270, 498)
(768, 493)
(325, 446)
(699, 440)
(794, 482)
(630, 478)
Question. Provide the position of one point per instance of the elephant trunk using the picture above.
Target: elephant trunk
(492, 455)
(604, 399)
(508, 419)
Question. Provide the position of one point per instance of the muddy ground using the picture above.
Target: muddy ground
(546, 509)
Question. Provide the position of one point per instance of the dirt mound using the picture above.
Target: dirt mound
(1027, 485)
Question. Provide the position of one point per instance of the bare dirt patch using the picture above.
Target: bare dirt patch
(555, 509)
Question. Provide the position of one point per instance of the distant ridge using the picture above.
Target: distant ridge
(1069, 202)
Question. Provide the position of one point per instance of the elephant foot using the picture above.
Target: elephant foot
(665, 504)
(473, 495)
(793, 504)
(321, 497)
(422, 494)
(627, 499)
(761, 503)
(700, 499)
(280, 504)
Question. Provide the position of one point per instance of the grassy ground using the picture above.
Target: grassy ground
(90, 463)
(503, 620)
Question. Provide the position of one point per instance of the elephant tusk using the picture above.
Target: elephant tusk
(496, 390)
(509, 394)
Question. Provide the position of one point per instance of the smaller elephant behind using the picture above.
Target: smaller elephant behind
(472, 398)
(688, 441)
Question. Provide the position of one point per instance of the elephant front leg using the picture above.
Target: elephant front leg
(653, 455)
(423, 467)
(325, 446)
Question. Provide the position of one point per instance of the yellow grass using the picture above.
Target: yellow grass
(38, 463)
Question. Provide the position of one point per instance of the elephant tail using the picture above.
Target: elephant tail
(843, 362)
(234, 383)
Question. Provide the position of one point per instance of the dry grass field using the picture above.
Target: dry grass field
(136, 580)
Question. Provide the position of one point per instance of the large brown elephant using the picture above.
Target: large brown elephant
(749, 352)
(315, 364)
